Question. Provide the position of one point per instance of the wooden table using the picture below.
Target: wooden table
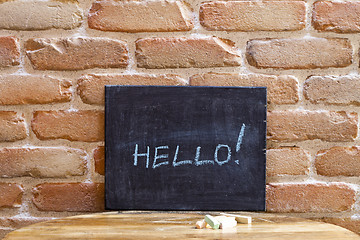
(170, 225)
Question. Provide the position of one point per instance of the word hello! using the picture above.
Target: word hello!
(163, 159)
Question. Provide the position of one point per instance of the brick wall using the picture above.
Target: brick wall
(56, 56)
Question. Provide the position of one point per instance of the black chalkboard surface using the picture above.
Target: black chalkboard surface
(185, 148)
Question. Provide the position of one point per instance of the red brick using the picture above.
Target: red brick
(39, 15)
(340, 17)
(12, 126)
(332, 89)
(128, 16)
(71, 197)
(79, 125)
(186, 52)
(303, 125)
(352, 224)
(304, 53)
(253, 16)
(42, 162)
(281, 89)
(10, 195)
(338, 161)
(76, 53)
(99, 158)
(27, 89)
(9, 51)
(312, 197)
(287, 161)
(91, 87)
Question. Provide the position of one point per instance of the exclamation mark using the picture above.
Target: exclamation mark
(239, 140)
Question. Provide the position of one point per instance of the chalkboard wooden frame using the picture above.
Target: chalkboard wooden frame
(185, 148)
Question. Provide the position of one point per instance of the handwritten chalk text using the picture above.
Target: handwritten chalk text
(161, 156)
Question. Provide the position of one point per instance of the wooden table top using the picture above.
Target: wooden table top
(170, 225)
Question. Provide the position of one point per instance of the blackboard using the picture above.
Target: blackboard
(185, 148)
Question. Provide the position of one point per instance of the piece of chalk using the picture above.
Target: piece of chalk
(243, 219)
(226, 222)
(215, 224)
(239, 218)
(200, 224)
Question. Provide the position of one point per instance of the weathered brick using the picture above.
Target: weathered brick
(312, 197)
(99, 158)
(12, 126)
(10, 195)
(352, 224)
(186, 52)
(281, 89)
(253, 16)
(28, 89)
(129, 16)
(305, 53)
(341, 17)
(41, 162)
(76, 53)
(81, 125)
(5, 231)
(39, 15)
(9, 51)
(287, 161)
(300, 125)
(91, 87)
(344, 161)
(333, 90)
(72, 197)
(19, 222)
(9, 224)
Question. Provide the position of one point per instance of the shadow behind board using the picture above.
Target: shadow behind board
(185, 148)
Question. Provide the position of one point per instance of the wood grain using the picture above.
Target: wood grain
(169, 225)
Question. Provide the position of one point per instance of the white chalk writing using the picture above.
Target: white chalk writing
(163, 159)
